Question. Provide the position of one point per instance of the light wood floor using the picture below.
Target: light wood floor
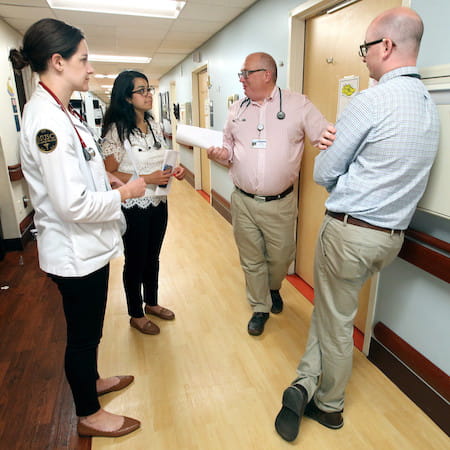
(205, 384)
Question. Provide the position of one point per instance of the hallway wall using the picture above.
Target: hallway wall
(413, 303)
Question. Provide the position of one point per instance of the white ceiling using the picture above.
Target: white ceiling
(166, 41)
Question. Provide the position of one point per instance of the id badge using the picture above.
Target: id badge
(259, 143)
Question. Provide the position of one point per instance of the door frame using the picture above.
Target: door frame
(296, 54)
(196, 122)
(297, 24)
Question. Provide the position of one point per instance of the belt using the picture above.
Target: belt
(359, 223)
(267, 198)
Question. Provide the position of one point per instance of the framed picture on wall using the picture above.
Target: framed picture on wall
(167, 104)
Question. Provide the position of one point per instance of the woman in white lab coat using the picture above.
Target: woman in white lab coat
(133, 144)
(77, 215)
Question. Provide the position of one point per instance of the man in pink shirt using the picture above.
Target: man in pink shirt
(263, 146)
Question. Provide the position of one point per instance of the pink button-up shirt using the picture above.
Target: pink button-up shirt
(270, 170)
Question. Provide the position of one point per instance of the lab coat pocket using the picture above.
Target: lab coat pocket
(92, 241)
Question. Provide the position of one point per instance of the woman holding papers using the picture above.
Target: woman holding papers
(133, 146)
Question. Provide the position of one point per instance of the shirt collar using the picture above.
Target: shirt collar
(406, 70)
(269, 98)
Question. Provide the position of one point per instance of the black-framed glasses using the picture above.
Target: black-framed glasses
(364, 47)
(144, 91)
(246, 73)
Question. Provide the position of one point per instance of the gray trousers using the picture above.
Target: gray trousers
(346, 255)
(265, 237)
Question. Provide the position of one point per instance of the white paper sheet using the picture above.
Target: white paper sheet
(170, 160)
(199, 137)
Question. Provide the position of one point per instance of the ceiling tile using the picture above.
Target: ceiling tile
(167, 41)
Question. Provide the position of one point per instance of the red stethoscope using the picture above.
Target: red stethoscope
(88, 152)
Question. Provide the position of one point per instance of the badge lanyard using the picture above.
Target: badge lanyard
(88, 153)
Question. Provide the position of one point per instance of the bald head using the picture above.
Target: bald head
(403, 26)
(267, 62)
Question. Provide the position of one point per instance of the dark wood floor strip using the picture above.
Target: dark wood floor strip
(36, 407)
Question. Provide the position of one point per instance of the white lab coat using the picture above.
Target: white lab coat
(78, 218)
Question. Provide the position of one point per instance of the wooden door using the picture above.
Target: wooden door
(331, 53)
(203, 109)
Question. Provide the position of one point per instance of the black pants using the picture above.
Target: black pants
(84, 302)
(143, 239)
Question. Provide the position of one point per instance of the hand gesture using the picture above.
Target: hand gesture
(327, 138)
(133, 189)
(179, 173)
(217, 153)
(114, 181)
(159, 177)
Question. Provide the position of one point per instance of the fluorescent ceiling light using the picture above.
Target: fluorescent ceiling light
(168, 9)
(106, 86)
(117, 58)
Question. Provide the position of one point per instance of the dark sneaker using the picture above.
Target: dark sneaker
(288, 419)
(277, 302)
(333, 420)
(257, 322)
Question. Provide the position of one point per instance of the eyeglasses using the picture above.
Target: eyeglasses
(364, 47)
(245, 73)
(144, 91)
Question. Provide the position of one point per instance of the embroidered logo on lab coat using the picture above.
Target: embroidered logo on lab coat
(46, 140)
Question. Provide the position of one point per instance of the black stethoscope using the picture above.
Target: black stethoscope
(156, 143)
(246, 102)
(88, 152)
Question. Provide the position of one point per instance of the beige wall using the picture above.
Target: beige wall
(11, 193)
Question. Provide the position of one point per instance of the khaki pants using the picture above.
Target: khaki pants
(265, 237)
(346, 255)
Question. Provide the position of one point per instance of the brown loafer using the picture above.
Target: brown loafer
(162, 313)
(124, 381)
(148, 328)
(128, 426)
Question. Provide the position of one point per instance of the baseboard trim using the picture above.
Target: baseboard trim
(426, 398)
(189, 176)
(13, 245)
(18, 244)
(221, 205)
(413, 359)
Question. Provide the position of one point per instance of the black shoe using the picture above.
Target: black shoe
(333, 420)
(257, 322)
(288, 419)
(277, 302)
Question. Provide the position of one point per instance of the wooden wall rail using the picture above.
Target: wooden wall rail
(428, 253)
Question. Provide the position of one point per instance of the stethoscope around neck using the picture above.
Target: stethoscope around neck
(246, 102)
(156, 143)
(88, 152)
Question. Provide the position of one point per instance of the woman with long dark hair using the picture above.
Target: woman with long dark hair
(77, 215)
(133, 145)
